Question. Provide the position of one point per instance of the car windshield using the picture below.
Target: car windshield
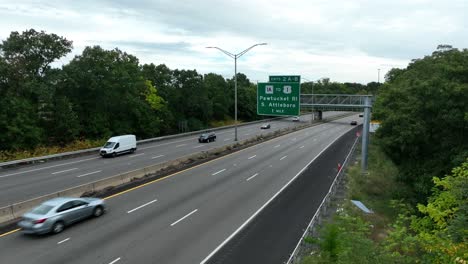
(42, 209)
(203, 135)
(109, 144)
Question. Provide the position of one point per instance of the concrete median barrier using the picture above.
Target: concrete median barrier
(108, 182)
(128, 176)
(76, 191)
(6, 214)
(20, 208)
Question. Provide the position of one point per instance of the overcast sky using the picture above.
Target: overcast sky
(344, 40)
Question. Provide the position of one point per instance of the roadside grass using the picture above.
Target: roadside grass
(351, 236)
(49, 150)
(6, 155)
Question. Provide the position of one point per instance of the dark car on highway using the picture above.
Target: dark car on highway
(353, 123)
(207, 137)
(54, 215)
(265, 126)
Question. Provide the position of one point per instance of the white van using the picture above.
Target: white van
(117, 145)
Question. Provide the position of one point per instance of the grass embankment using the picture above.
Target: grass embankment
(49, 150)
(352, 236)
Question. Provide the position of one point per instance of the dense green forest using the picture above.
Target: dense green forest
(417, 181)
(101, 92)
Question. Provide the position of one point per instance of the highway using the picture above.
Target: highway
(26, 182)
(182, 218)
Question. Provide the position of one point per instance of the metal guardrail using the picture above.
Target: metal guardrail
(302, 247)
(82, 152)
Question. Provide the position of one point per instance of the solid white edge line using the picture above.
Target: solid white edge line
(141, 206)
(57, 172)
(86, 174)
(181, 145)
(115, 260)
(155, 157)
(199, 146)
(251, 177)
(187, 215)
(268, 202)
(44, 168)
(277, 146)
(282, 158)
(323, 200)
(65, 240)
(218, 172)
(253, 157)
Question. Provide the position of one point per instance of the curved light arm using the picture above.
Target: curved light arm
(245, 51)
(223, 51)
(234, 56)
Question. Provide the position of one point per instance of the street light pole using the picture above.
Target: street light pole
(235, 57)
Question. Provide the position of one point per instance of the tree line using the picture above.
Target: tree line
(417, 183)
(100, 93)
(424, 114)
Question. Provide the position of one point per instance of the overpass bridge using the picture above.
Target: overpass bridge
(342, 102)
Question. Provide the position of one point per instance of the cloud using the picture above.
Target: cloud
(343, 40)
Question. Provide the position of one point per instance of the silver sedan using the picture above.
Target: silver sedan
(54, 215)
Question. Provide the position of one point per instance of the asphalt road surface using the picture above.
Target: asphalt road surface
(185, 217)
(26, 182)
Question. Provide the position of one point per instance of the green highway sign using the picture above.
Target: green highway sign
(278, 98)
(285, 78)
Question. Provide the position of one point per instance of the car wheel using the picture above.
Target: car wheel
(114, 155)
(58, 227)
(98, 211)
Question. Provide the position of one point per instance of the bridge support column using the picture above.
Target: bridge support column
(365, 133)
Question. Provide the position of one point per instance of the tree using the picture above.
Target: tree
(219, 94)
(110, 94)
(423, 113)
(25, 80)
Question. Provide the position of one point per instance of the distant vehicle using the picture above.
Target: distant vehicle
(118, 145)
(207, 137)
(361, 115)
(296, 119)
(265, 126)
(353, 123)
(54, 215)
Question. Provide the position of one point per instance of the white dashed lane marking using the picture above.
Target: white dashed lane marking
(65, 240)
(141, 206)
(64, 171)
(218, 172)
(86, 174)
(187, 215)
(251, 177)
